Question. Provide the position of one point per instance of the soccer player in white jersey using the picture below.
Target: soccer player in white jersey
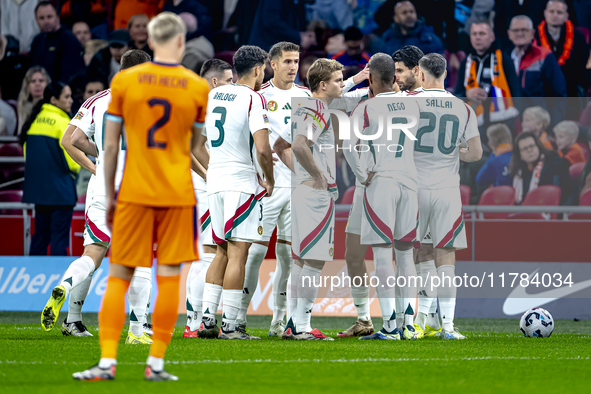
(85, 135)
(236, 121)
(445, 120)
(276, 210)
(390, 206)
(216, 73)
(315, 192)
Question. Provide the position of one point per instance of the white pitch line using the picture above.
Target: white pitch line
(315, 360)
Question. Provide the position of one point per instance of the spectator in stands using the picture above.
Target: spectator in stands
(406, 63)
(532, 165)
(557, 33)
(93, 86)
(82, 32)
(7, 119)
(495, 171)
(55, 48)
(198, 49)
(586, 176)
(92, 12)
(566, 133)
(138, 31)
(305, 64)
(280, 20)
(105, 64)
(34, 83)
(91, 48)
(487, 73)
(338, 14)
(536, 120)
(10, 64)
(201, 13)
(408, 30)
(50, 173)
(16, 20)
(125, 9)
(353, 58)
(536, 67)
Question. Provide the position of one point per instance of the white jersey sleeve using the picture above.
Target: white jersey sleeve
(84, 118)
(257, 117)
(471, 129)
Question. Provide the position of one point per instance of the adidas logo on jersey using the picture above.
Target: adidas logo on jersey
(287, 106)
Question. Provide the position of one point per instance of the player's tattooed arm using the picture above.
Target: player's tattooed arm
(474, 151)
(301, 150)
(265, 157)
(283, 150)
(76, 153)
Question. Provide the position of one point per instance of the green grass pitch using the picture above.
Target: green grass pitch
(495, 358)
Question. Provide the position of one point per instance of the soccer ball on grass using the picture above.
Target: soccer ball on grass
(537, 322)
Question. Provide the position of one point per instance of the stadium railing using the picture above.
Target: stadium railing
(473, 209)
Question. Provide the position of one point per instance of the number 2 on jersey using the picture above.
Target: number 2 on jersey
(152, 143)
(219, 124)
(430, 127)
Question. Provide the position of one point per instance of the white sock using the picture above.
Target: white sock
(77, 297)
(157, 364)
(232, 299)
(195, 285)
(447, 296)
(292, 296)
(427, 293)
(77, 272)
(399, 302)
(307, 294)
(360, 297)
(384, 268)
(283, 253)
(256, 255)
(107, 362)
(406, 269)
(139, 298)
(211, 300)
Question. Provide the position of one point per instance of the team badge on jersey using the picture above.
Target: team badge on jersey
(272, 105)
(260, 230)
(331, 252)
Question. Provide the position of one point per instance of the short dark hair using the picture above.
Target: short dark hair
(557, 1)
(248, 57)
(216, 66)
(382, 67)
(277, 50)
(408, 55)
(45, 3)
(94, 80)
(133, 57)
(353, 34)
(434, 63)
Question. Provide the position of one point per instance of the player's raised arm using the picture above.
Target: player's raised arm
(76, 153)
(283, 150)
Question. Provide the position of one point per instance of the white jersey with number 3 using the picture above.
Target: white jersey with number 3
(90, 118)
(234, 113)
(445, 120)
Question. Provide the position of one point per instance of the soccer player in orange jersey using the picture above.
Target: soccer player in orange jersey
(163, 107)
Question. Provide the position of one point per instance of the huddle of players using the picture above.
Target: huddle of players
(243, 208)
(423, 184)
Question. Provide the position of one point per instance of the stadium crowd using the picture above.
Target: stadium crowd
(533, 56)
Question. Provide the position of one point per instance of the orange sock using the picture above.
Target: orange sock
(165, 313)
(112, 316)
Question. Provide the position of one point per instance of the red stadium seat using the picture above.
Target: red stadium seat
(576, 170)
(543, 195)
(82, 199)
(499, 195)
(11, 196)
(585, 32)
(348, 196)
(465, 192)
(585, 201)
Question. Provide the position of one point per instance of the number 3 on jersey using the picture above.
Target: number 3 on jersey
(219, 124)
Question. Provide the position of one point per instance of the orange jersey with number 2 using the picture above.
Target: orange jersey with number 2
(158, 104)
